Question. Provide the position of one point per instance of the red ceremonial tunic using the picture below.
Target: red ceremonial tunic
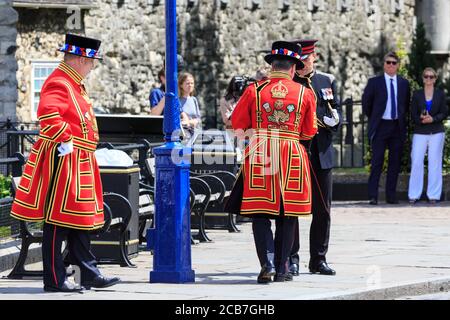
(67, 190)
(280, 113)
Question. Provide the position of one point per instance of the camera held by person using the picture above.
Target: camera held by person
(240, 83)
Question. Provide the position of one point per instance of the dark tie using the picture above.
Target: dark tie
(393, 104)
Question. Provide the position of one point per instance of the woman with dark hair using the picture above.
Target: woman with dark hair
(428, 111)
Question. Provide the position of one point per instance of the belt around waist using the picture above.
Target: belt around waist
(276, 134)
(84, 144)
(389, 120)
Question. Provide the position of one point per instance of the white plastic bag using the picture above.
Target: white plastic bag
(113, 158)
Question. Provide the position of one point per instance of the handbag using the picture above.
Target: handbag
(234, 201)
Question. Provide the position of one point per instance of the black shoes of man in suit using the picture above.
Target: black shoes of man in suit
(265, 276)
(282, 277)
(294, 269)
(322, 268)
(100, 282)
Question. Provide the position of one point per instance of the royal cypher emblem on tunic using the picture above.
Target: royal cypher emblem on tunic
(279, 91)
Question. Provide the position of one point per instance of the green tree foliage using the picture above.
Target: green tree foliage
(404, 71)
(419, 57)
(5, 186)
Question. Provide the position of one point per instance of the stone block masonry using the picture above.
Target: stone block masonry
(217, 41)
(8, 64)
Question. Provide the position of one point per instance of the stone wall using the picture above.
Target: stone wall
(8, 64)
(352, 41)
(133, 42)
(217, 41)
(40, 33)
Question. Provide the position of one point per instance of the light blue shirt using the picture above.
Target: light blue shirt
(387, 111)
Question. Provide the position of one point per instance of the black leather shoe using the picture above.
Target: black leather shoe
(293, 269)
(101, 282)
(265, 276)
(66, 287)
(373, 201)
(392, 201)
(282, 277)
(322, 268)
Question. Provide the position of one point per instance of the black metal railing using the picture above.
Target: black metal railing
(9, 227)
(349, 142)
(16, 137)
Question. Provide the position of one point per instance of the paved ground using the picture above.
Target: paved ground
(433, 296)
(381, 252)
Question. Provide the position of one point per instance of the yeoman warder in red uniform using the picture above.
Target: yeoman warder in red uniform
(61, 182)
(276, 114)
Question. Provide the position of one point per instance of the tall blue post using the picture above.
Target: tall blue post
(171, 237)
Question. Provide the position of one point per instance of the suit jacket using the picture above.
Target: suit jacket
(324, 87)
(439, 112)
(374, 101)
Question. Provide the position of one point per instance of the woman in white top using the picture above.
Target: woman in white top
(190, 110)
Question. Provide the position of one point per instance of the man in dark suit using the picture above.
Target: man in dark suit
(385, 102)
(321, 156)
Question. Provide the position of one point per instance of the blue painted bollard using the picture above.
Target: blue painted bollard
(171, 237)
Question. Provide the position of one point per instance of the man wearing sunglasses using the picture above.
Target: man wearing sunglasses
(385, 102)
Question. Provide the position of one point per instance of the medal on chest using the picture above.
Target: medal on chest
(326, 93)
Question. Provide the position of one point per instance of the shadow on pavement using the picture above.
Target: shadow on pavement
(22, 290)
(220, 278)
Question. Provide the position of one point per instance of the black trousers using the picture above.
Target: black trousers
(78, 242)
(274, 251)
(388, 136)
(319, 234)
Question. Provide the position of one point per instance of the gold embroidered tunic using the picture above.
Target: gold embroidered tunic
(276, 114)
(67, 190)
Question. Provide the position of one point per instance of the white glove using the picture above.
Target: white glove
(335, 115)
(331, 122)
(65, 148)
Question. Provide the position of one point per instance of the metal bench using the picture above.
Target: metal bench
(146, 209)
(215, 217)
